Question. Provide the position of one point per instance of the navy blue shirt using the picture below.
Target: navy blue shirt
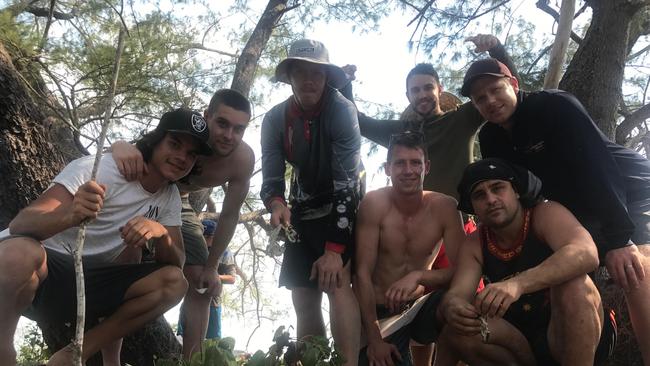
(554, 137)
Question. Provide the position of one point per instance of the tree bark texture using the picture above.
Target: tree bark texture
(247, 62)
(28, 158)
(595, 74)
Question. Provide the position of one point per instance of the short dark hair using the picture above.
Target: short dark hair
(410, 139)
(231, 98)
(422, 69)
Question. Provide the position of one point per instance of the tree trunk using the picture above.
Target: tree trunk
(247, 62)
(25, 169)
(595, 74)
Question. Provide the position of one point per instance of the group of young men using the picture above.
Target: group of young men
(515, 291)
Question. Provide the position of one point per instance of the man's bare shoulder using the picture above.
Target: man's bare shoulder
(379, 198)
(215, 170)
(437, 200)
(244, 160)
(547, 215)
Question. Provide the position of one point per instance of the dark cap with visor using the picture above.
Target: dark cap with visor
(480, 68)
(523, 181)
(188, 122)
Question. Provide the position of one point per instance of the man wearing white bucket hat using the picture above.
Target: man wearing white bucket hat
(316, 131)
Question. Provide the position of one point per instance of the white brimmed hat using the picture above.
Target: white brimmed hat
(314, 52)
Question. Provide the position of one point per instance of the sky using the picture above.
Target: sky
(383, 60)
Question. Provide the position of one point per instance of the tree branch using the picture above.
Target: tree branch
(47, 26)
(558, 52)
(77, 344)
(630, 123)
(199, 46)
(543, 5)
(251, 238)
(639, 53)
(42, 13)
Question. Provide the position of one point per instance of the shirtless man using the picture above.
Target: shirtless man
(227, 116)
(540, 305)
(399, 233)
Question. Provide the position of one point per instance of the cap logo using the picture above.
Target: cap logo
(198, 123)
(306, 50)
(491, 166)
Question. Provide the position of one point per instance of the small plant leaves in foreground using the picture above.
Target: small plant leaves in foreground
(286, 351)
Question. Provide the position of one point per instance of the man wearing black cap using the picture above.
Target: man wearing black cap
(232, 163)
(37, 273)
(606, 186)
(539, 304)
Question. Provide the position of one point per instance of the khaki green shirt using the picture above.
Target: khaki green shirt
(449, 139)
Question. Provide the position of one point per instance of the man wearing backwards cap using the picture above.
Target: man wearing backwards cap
(534, 256)
(36, 269)
(317, 132)
(232, 162)
(606, 186)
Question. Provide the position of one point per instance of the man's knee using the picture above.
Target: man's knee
(306, 301)
(573, 295)
(23, 257)
(173, 283)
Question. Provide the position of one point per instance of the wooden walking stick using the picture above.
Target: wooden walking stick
(77, 251)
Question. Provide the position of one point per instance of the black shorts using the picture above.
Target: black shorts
(106, 284)
(538, 340)
(424, 329)
(299, 257)
(639, 212)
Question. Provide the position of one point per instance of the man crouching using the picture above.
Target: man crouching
(37, 274)
(399, 233)
(539, 306)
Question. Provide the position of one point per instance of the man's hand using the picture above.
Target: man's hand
(87, 202)
(483, 42)
(129, 160)
(625, 266)
(349, 71)
(403, 290)
(328, 270)
(209, 279)
(139, 230)
(382, 353)
(280, 214)
(462, 316)
(496, 298)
